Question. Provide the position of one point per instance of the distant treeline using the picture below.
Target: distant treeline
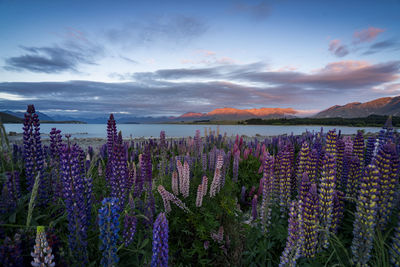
(370, 121)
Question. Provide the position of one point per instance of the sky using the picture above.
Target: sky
(165, 58)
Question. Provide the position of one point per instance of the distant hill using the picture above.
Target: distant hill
(234, 114)
(7, 118)
(380, 106)
(42, 116)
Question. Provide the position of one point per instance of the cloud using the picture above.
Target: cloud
(386, 45)
(207, 57)
(176, 91)
(178, 29)
(258, 12)
(55, 59)
(337, 48)
(367, 35)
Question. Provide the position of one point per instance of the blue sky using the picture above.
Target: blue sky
(171, 57)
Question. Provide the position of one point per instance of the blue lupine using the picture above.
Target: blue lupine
(41, 254)
(119, 172)
(309, 221)
(109, 231)
(160, 242)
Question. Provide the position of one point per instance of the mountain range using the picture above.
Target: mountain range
(380, 106)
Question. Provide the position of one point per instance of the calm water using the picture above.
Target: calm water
(181, 130)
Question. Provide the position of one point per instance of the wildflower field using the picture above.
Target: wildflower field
(319, 199)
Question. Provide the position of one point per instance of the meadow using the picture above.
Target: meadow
(316, 199)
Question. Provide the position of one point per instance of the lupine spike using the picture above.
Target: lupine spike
(109, 228)
(160, 242)
(41, 254)
(310, 220)
(365, 218)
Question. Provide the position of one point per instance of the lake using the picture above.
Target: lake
(182, 130)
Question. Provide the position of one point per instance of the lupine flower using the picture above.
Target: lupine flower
(387, 162)
(331, 139)
(130, 222)
(42, 251)
(339, 158)
(326, 195)
(395, 246)
(216, 183)
(293, 247)
(160, 242)
(353, 178)
(132, 176)
(310, 220)
(119, 172)
(243, 194)
(312, 175)
(185, 180)
(370, 150)
(199, 197)
(254, 208)
(304, 162)
(218, 236)
(204, 162)
(285, 180)
(365, 217)
(76, 196)
(358, 147)
(175, 184)
(11, 252)
(338, 207)
(111, 140)
(109, 228)
(204, 183)
(146, 168)
(167, 197)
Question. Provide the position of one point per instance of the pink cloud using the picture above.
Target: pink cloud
(367, 35)
(344, 66)
(336, 47)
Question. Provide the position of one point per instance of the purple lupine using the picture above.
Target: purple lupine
(339, 158)
(358, 147)
(235, 168)
(33, 153)
(313, 166)
(119, 172)
(254, 213)
(293, 247)
(109, 231)
(267, 191)
(365, 217)
(11, 251)
(331, 138)
(146, 168)
(76, 199)
(285, 180)
(218, 236)
(204, 162)
(353, 178)
(132, 175)
(310, 220)
(395, 245)
(55, 142)
(111, 140)
(326, 195)
(175, 183)
(304, 162)
(387, 162)
(130, 223)
(369, 154)
(160, 242)
(347, 156)
(338, 208)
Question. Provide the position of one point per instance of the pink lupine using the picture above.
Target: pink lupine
(185, 180)
(205, 185)
(165, 197)
(175, 184)
(199, 198)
